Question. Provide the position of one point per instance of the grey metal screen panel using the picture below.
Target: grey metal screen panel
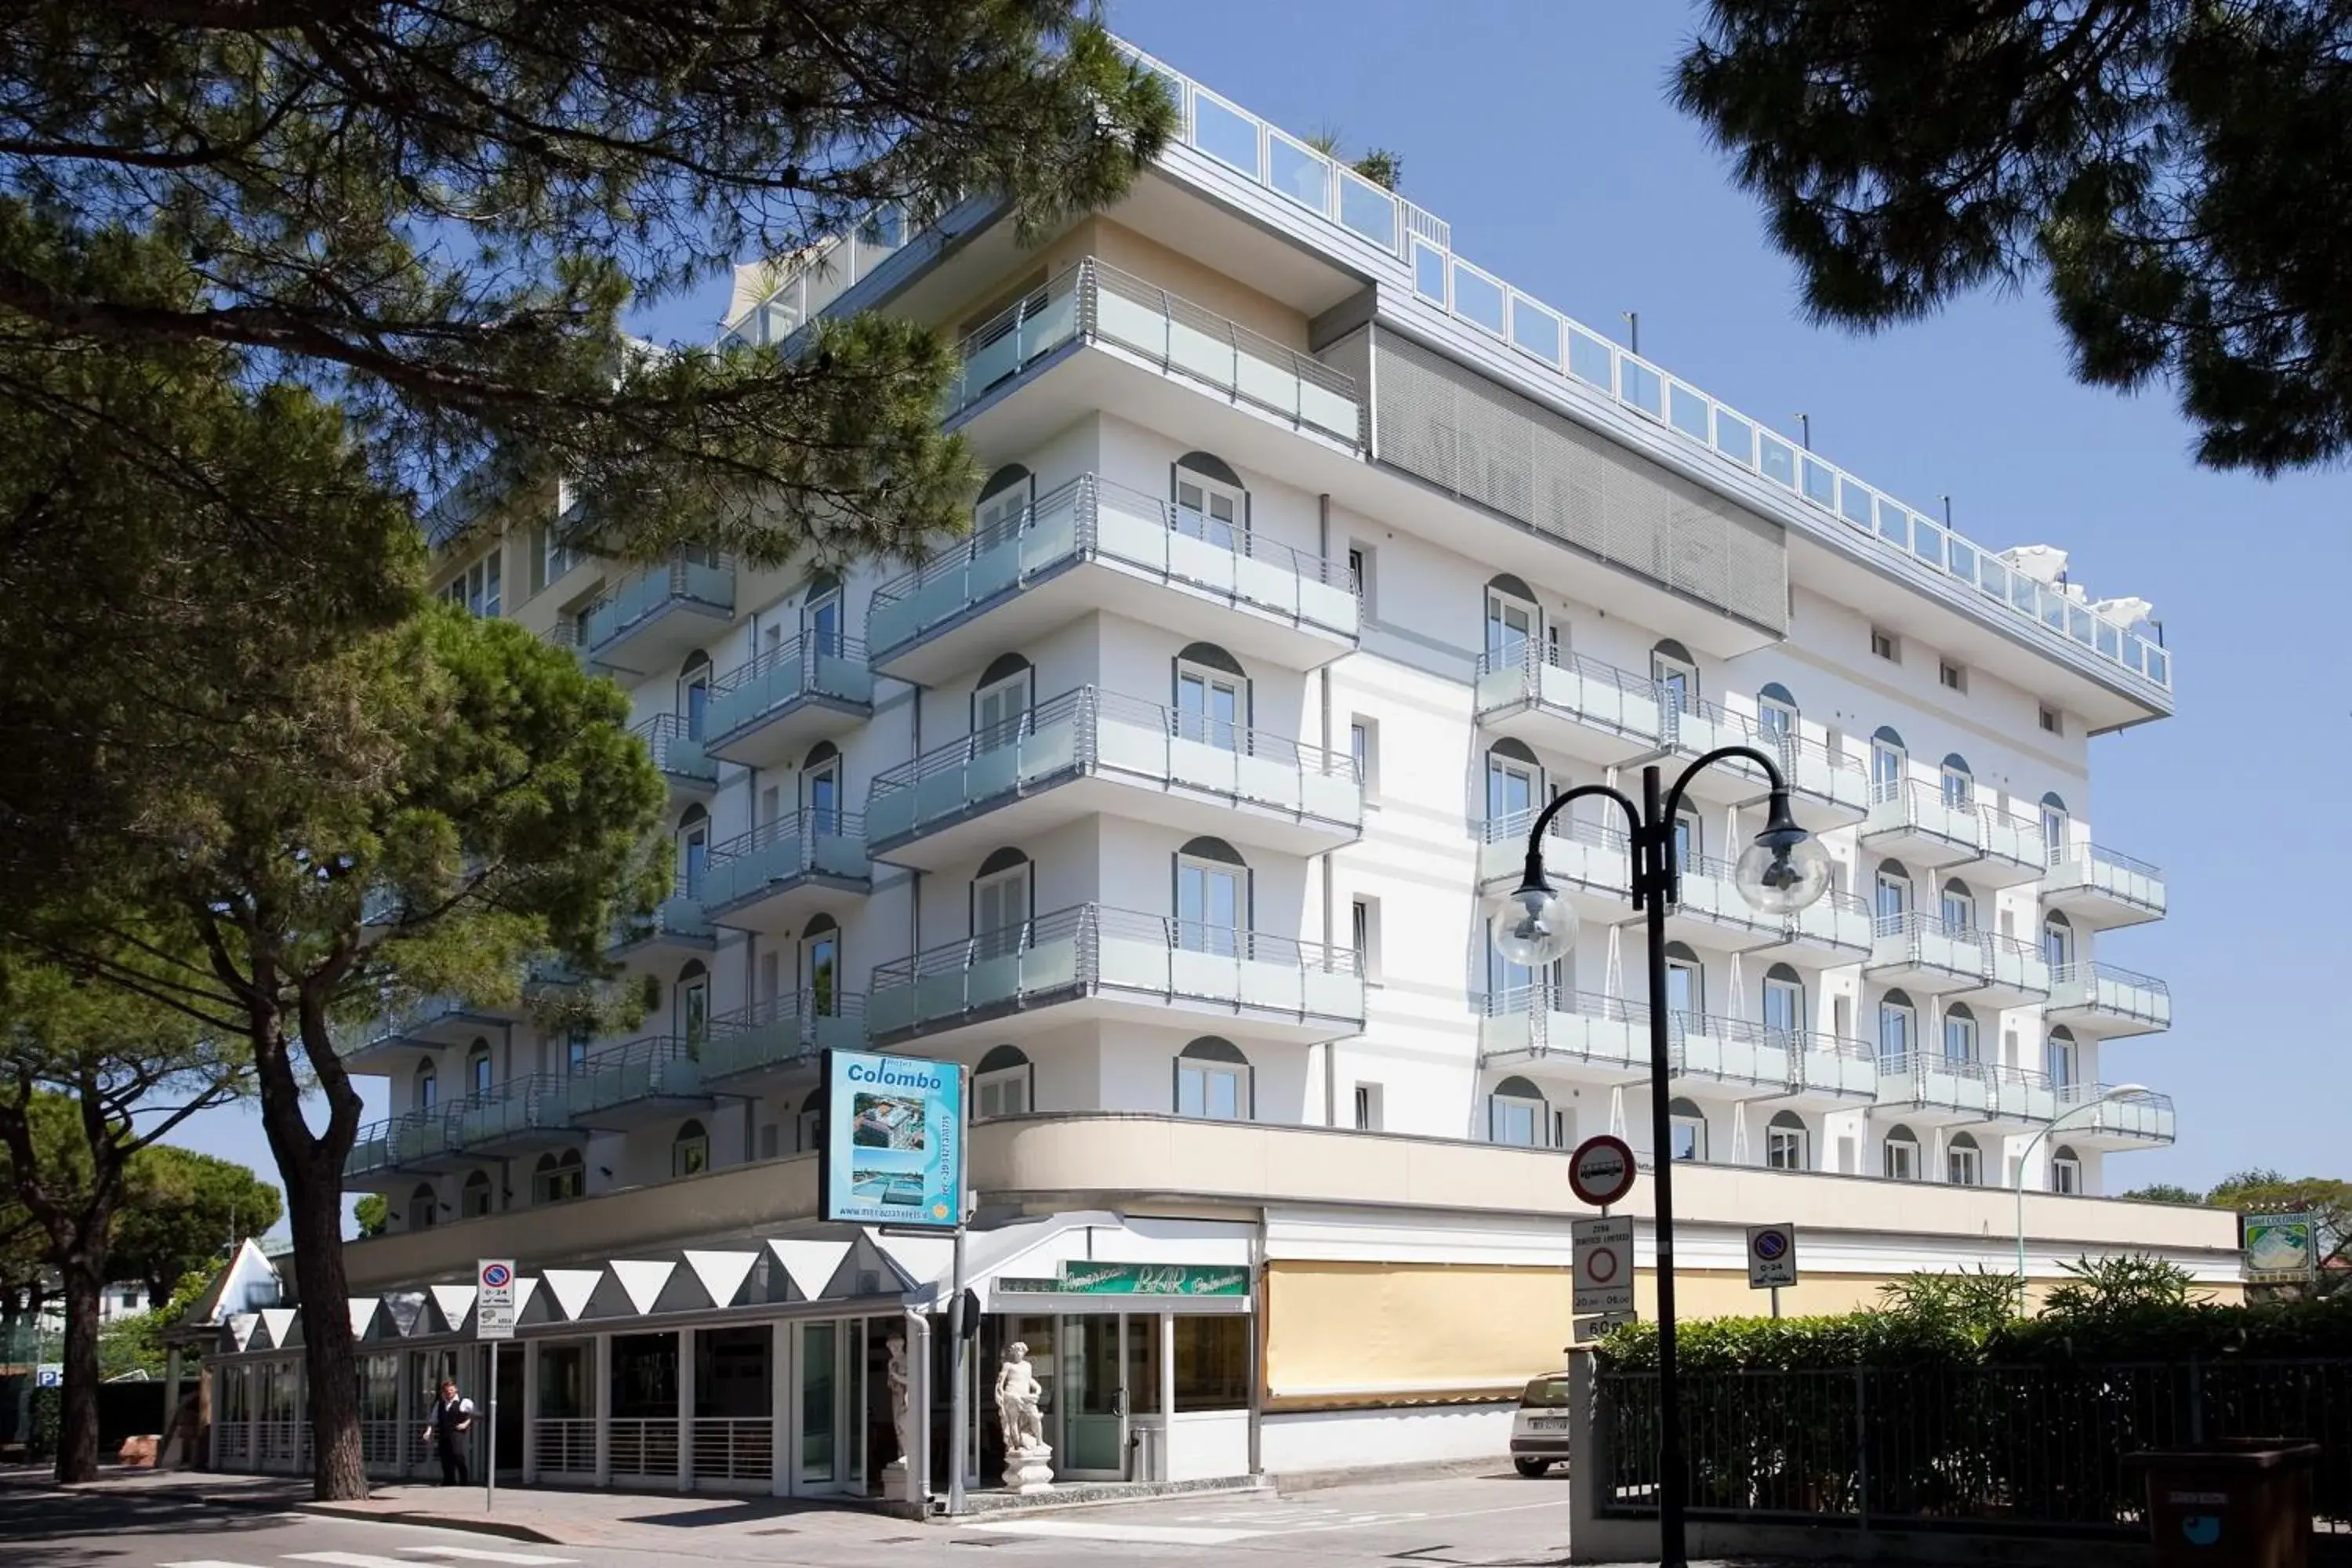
(1447, 424)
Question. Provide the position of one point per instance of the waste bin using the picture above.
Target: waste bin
(2242, 1503)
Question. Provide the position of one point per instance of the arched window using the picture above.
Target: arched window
(1776, 711)
(1004, 1083)
(1901, 1155)
(1784, 1003)
(424, 1207)
(1685, 981)
(693, 849)
(1892, 901)
(821, 614)
(1515, 788)
(820, 789)
(1890, 762)
(2061, 1058)
(1210, 503)
(820, 966)
(1213, 697)
(2056, 826)
(1788, 1143)
(429, 1086)
(690, 1004)
(2058, 944)
(1677, 673)
(1517, 1114)
(808, 1127)
(1963, 1161)
(1003, 901)
(1212, 897)
(1960, 1033)
(1687, 1125)
(689, 1151)
(1213, 1081)
(2066, 1171)
(694, 692)
(1001, 701)
(556, 1177)
(474, 1201)
(1958, 907)
(1513, 624)
(1003, 503)
(477, 1067)
(1960, 785)
(1898, 1027)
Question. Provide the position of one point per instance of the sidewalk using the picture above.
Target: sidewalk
(649, 1520)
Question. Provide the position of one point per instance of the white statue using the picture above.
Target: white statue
(896, 1376)
(1017, 1394)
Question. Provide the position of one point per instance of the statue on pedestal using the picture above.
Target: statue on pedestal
(1026, 1469)
(896, 1376)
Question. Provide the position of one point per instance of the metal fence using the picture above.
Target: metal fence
(1964, 1447)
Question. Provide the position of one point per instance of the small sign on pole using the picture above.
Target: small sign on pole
(1592, 1328)
(1603, 1263)
(1771, 1256)
(494, 1320)
(1600, 1171)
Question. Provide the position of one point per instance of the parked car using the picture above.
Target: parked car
(1540, 1429)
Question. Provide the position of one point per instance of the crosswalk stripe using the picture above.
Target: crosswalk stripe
(348, 1560)
(1153, 1534)
(474, 1555)
(204, 1563)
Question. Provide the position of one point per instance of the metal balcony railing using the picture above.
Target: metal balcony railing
(1917, 939)
(398, 1142)
(829, 669)
(655, 1067)
(1093, 301)
(1090, 731)
(678, 917)
(792, 1028)
(1093, 517)
(1702, 1045)
(676, 749)
(2102, 870)
(1938, 810)
(801, 844)
(535, 1102)
(705, 578)
(2143, 1115)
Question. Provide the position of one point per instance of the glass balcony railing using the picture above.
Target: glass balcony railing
(1093, 301)
(1090, 950)
(2145, 1116)
(2085, 872)
(1901, 808)
(2103, 991)
(1608, 1031)
(1991, 1092)
(399, 1143)
(703, 579)
(822, 274)
(1923, 944)
(677, 918)
(786, 1031)
(825, 844)
(1093, 519)
(832, 671)
(658, 1067)
(677, 751)
(1092, 732)
(535, 1107)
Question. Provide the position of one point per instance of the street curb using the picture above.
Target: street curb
(478, 1526)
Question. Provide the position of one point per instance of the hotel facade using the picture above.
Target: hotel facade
(1311, 560)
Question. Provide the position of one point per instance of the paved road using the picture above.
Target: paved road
(1487, 1521)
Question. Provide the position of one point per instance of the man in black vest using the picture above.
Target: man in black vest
(446, 1426)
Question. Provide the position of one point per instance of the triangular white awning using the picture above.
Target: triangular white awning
(810, 1265)
(277, 1323)
(721, 1274)
(641, 1281)
(363, 1315)
(571, 1288)
(453, 1302)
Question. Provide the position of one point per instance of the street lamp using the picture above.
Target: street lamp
(2025, 1161)
(1781, 872)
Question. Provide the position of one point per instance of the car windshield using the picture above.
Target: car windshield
(1545, 1393)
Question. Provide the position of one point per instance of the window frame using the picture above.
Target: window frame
(1908, 1149)
(689, 1157)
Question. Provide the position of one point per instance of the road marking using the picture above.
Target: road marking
(204, 1563)
(347, 1560)
(474, 1555)
(1140, 1534)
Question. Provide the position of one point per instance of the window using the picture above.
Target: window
(1685, 985)
(689, 1151)
(1211, 703)
(1003, 503)
(1776, 712)
(1900, 1158)
(1784, 1004)
(1954, 678)
(1517, 1114)
(1210, 503)
(694, 849)
(1690, 847)
(1958, 908)
(1364, 936)
(2055, 827)
(821, 614)
(1002, 1082)
(423, 1208)
(428, 1087)
(1677, 673)
(1889, 761)
(477, 1067)
(2058, 943)
(1964, 1161)
(1687, 1126)
(2062, 1055)
(820, 789)
(1368, 1107)
(474, 1200)
(1212, 896)
(1001, 900)
(557, 1178)
(1360, 559)
(1787, 1145)
(1960, 1033)
(2050, 722)
(1899, 1025)
(692, 1006)
(551, 558)
(820, 966)
(575, 1049)
(1893, 896)
(1213, 1082)
(1884, 644)
(1512, 620)
(1364, 750)
(1213, 1360)
(1841, 1017)
(808, 1127)
(1000, 701)
(476, 589)
(2066, 1172)
(1960, 785)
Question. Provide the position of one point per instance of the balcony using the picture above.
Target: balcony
(1131, 325)
(1588, 862)
(2141, 1121)
(521, 1116)
(1093, 545)
(1922, 954)
(775, 876)
(427, 1024)
(2102, 888)
(1094, 962)
(1091, 752)
(677, 928)
(651, 620)
(1566, 702)
(649, 1079)
(2105, 1002)
(1943, 1092)
(1929, 827)
(1606, 1041)
(1827, 788)
(756, 1046)
(412, 1142)
(767, 713)
(680, 754)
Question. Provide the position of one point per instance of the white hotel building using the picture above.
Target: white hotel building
(1310, 562)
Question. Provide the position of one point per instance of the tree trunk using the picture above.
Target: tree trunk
(330, 1357)
(77, 1412)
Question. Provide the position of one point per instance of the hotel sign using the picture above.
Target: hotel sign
(1133, 1279)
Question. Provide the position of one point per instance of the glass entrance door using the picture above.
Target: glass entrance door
(1093, 1398)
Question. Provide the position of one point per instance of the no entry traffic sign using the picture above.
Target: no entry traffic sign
(1600, 1171)
(1603, 1263)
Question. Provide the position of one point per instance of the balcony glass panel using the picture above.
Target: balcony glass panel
(833, 668)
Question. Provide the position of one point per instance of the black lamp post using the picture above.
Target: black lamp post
(1782, 871)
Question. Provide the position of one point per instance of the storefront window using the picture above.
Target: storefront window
(564, 1383)
(1211, 1363)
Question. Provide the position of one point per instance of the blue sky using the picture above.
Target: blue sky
(1542, 132)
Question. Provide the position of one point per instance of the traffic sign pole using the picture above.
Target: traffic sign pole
(494, 1316)
(490, 1438)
